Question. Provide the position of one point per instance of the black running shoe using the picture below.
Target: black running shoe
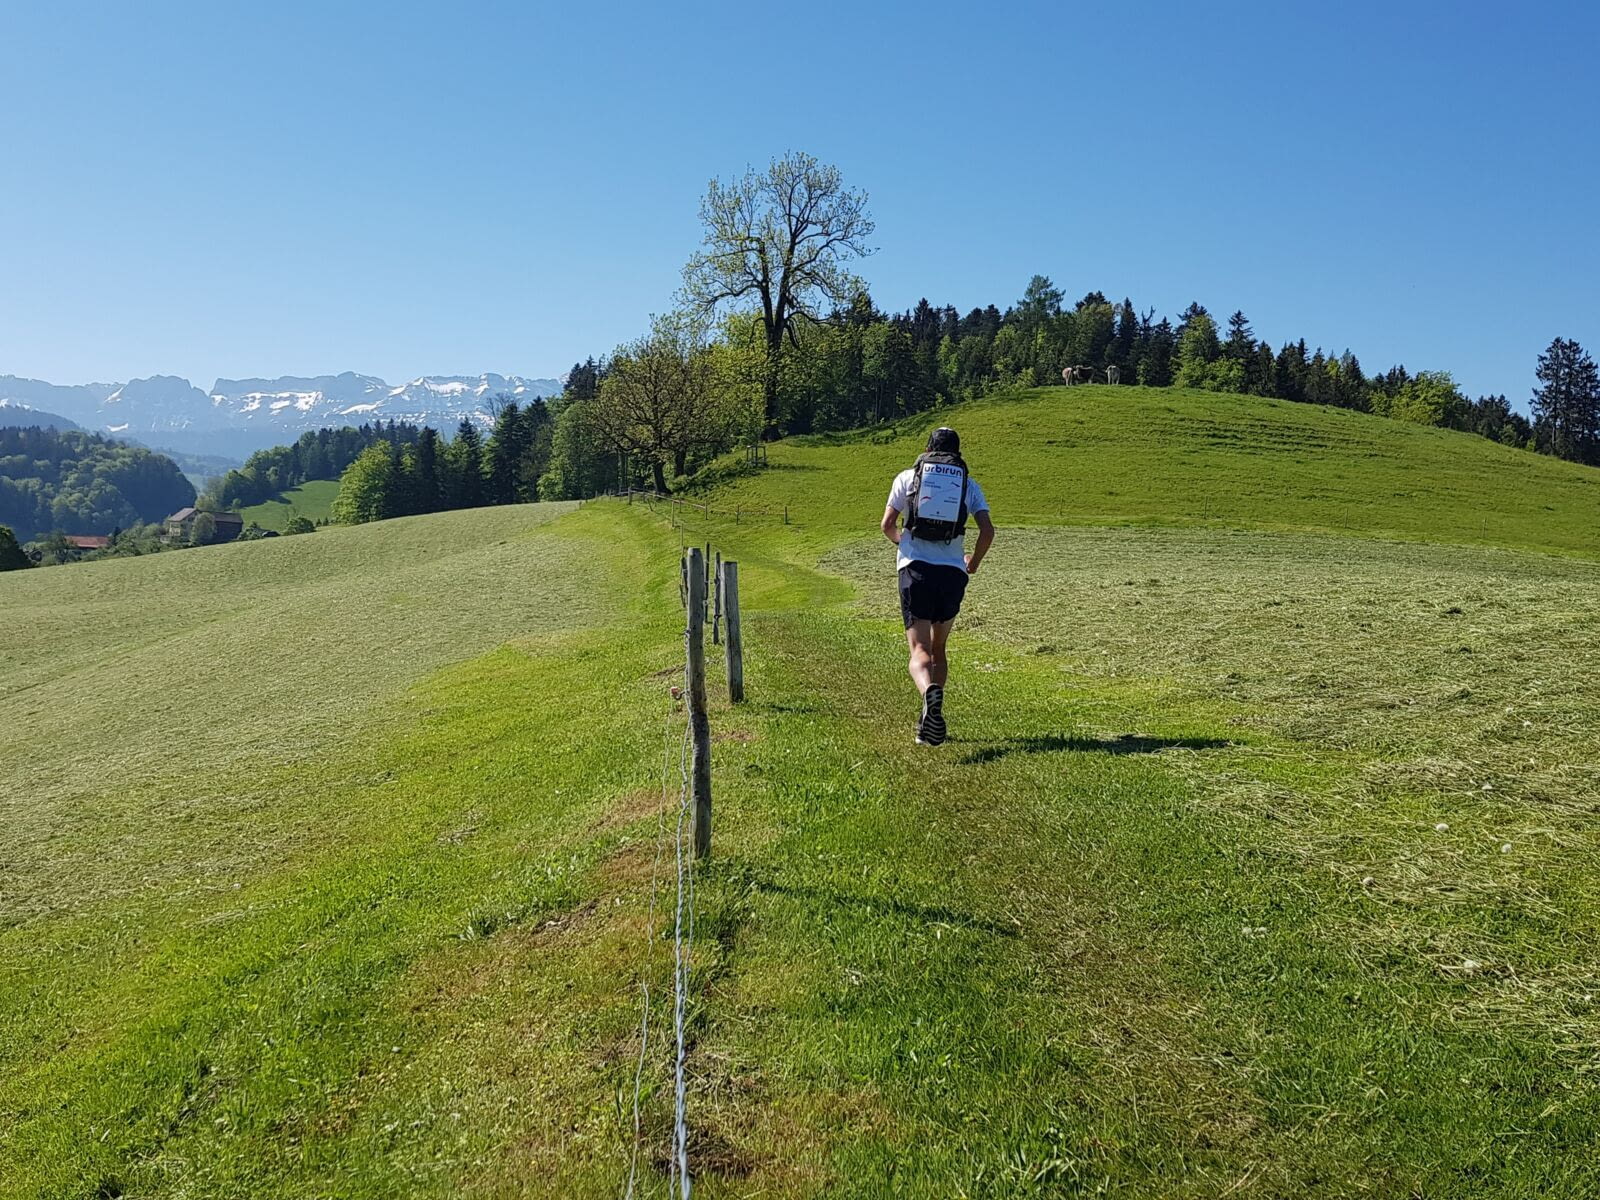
(931, 729)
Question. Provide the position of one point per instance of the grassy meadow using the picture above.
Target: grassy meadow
(1260, 863)
(312, 500)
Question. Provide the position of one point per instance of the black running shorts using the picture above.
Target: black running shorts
(930, 592)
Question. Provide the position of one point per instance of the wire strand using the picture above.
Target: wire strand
(649, 951)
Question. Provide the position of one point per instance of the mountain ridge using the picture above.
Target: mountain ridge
(242, 415)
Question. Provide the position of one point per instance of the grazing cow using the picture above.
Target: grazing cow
(1066, 375)
(1113, 375)
(1076, 375)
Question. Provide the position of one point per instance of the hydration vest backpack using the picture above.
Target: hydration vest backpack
(937, 511)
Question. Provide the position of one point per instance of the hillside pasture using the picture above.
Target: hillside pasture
(312, 500)
(1126, 455)
(1259, 863)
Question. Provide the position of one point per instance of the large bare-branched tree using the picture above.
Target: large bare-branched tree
(663, 399)
(776, 244)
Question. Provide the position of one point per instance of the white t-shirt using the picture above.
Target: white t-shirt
(944, 554)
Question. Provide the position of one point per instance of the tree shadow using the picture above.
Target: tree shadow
(933, 914)
(1125, 743)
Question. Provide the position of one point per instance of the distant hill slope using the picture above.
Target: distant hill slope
(1103, 455)
(78, 482)
(313, 500)
(21, 416)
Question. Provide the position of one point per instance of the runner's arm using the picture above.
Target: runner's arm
(891, 523)
(985, 539)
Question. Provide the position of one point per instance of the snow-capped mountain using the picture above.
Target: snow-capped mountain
(239, 415)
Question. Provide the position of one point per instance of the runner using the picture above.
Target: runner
(935, 495)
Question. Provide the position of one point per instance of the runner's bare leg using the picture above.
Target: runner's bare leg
(919, 638)
(939, 669)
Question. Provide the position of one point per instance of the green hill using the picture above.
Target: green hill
(1259, 863)
(312, 500)
(1104, 455)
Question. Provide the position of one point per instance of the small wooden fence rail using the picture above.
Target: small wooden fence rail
(680, 505)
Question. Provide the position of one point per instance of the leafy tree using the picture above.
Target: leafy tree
(366, 489)
(777, 241)
(660, 400)
(1428, 398)
(1188, 315)
(204, 530)
(1198, 348)
(82, 482)
(575, 468)
(12, 556)
(299, 525)
(1566, 407)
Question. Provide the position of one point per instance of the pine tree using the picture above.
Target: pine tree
(405, 488)
(1155, 363)
(1566, 409)
(1289, 371)
(1261, 371)
(536, 429)
(430, 484)
(464, 467)
(503, 453)
(1241, 343)
(1125, 344)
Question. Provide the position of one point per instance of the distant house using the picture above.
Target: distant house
(82, 545)
(179, 527)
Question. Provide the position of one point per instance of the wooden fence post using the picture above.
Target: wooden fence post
(716, 601)
(730, 601)
(699, 721)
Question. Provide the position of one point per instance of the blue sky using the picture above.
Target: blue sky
(205, 189)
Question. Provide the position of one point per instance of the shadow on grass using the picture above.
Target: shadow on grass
(933, 914)
(1126, 743)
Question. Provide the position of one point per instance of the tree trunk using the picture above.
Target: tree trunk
(680, 462)
(660, 473)
(769, 386)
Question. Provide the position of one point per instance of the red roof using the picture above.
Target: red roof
(91, 542)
